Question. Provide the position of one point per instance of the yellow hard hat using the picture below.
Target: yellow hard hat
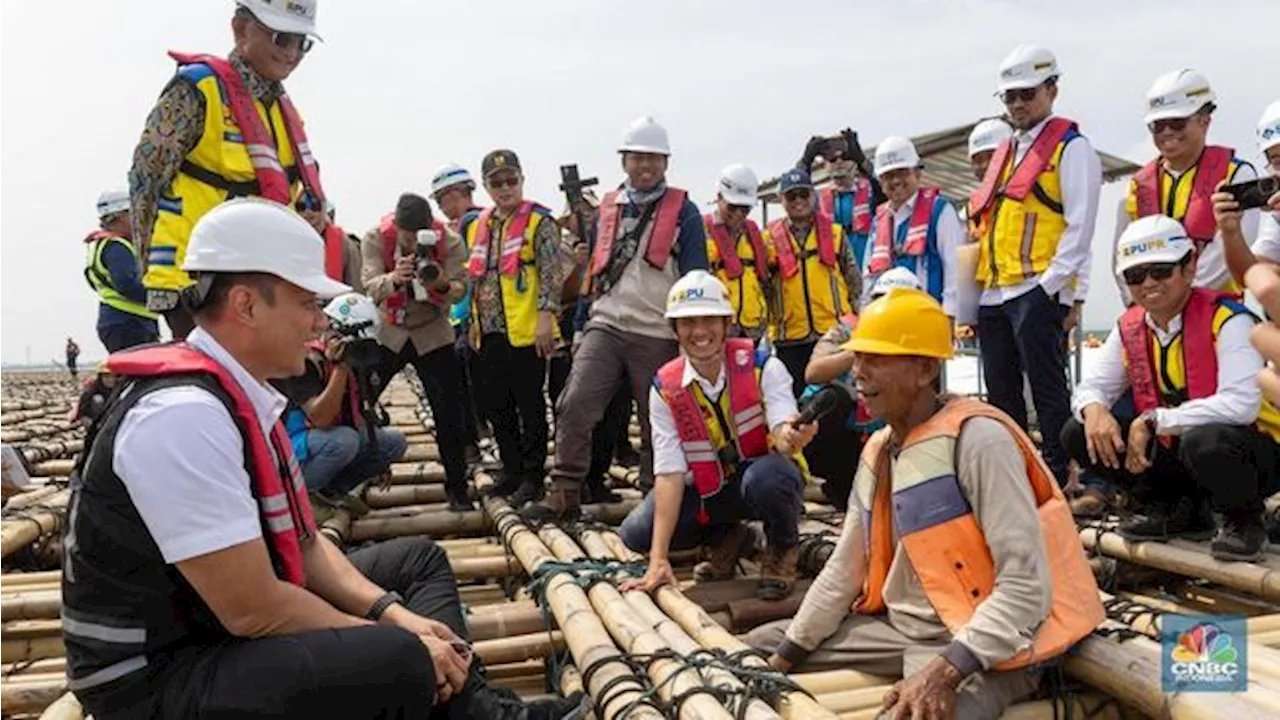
(903, 322)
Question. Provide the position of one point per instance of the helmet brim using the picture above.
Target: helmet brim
(871, 346)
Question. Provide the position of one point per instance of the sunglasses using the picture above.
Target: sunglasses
(1157, 271)
(796, 195)
(1026, 95)
(1175, 124)
(739, 208)
(288, 40)
(505, 181)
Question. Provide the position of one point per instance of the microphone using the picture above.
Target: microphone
(821, 404)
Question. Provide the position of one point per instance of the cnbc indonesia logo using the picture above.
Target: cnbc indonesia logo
(1206, 657)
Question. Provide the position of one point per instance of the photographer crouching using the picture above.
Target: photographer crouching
(330, 417)
(413, 269)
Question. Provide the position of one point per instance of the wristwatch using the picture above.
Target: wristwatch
(380, 605)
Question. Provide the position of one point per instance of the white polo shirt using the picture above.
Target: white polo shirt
(181, 458)
(779, 406)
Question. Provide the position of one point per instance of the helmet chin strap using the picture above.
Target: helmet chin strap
(192, 297)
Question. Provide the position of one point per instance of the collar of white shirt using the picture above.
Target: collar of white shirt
(1029, 136)
(267, 402)
(1165, 336)
(907, 208)
(712, 389)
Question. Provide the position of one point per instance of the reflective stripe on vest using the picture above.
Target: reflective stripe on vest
(1197, 215)
(917, 231)
(746, 408)
(665, 224)
(395, 307)
(860, 223)
(283, 504)
(513, 241)
(920, 496)
(99, 277)
(1199, 348)
(728, 247)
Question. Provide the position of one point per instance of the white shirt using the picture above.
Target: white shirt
(1211, 265)
(950, 235)
(181, 458)
(1080, 176)
(779, 406)
(1267, 246)
(1236, 403)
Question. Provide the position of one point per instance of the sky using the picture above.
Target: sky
(399, 88)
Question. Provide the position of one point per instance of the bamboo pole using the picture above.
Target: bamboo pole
(845, 701)
(17, 533)
(404, 473)
(9, 581)
(32, 497)
(505, 622)
(404, 495)
(54, 468)
(30, 698)
(66, 707)
(518, 648)
(48, 665)
(31, 606)
(1248, 577)
(35, 648)
(585, 635)
(486, 567)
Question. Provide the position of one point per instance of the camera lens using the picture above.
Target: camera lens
(430, 274)
(1269, 186)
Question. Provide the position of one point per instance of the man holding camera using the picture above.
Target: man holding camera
(413, 269)
(855, 195)
(1227, 210)
(518, 272)
(334, 440)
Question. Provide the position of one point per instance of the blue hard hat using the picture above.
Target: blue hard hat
(794, 178)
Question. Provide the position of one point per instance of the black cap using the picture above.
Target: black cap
(413, 213)
(499, 160)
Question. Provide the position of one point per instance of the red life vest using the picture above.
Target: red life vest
(917, 231)
(335, 252)
(1024, 176)
(1211, 169)
(745, 405)
(728, 247)
(781, 234)
(282, 502)
(1200, 354)
(512, 244)
(395, 305)
(665, 223)
(273, 183)
(861, 223)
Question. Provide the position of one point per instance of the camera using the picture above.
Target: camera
(361, 352)
(1254, 193)
(427, 269)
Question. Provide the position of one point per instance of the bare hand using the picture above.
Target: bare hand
(450, 667)
(1226, 211)
(1102, 437)
(1072, 319)
(1263, 280)
(779, 663)
(335, 350)
(791, 438)
(400, 616)
(543, 335)
(930, 694)
(659, 573)
(404, 269)
(1135, 460)
(384, 480)
(1274, 203)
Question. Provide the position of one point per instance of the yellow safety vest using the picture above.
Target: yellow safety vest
(746, 293)
(220, 156)
(99, 278)
(519, 292)
(814, 299)
(1024, 234)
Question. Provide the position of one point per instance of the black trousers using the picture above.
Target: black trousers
(796, 357)
(365, 672)
(123, 337)
(514, 400)
(441, 376)
(1025, 335)
(1234, 467)
(472, 412)
(833, 453)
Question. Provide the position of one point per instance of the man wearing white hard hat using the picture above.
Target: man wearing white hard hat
(916, 228)
(111, 269)
(1204, 438)
(724, 439)
(1041, 191)
(648, 235)
(222, 128)
(1231, 222)
(736, 251)
(985, 137)
(195, 583)
(1180, 182)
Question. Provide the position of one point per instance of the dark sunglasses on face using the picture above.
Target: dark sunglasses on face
(1026, 95)
(1175, 124)
(740, 208)
(796, 195)
(507, 181)
(1157, 271)
(289, 40)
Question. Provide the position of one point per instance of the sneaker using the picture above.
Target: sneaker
(1241, 537)
(778, 573)
(561, 504)
(720, 562)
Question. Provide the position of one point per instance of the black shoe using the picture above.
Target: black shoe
(459, 499)
(529, 491)
(504, 485)
(596, 491)
(1192, 520)
(494, 703)
(1241, 537)
(471, 454)
(1272, 524)
(1152, 526)
(559, 505)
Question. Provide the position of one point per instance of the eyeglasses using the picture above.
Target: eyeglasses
(744, 209)
(506, 181)
(796, 195)
(1158, 271)
(1026, 95)
(287, 40)
(1175, 124)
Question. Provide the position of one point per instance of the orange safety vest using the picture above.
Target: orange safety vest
(746, 406)
(1211, 169)
(1200, 354)
(728, 248)
(861, 223)
(780, 232)
(394, 307)
(917, 231)
(944, 542)
(666, 225)
(512, 244)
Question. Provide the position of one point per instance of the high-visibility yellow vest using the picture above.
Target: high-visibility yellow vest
(746, 280)
(99, 277)
(519, 281)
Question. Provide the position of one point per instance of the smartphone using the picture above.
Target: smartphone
(835, 148)
(1254, 193)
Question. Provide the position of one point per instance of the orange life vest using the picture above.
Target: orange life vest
(512, 244)
(665, 222)
(395, 306)
(1211, 169)
(917, 231)
(728, 247)
(861, 222)
(780, 232)
(944, 542)
(1200, 354)
(746, 408)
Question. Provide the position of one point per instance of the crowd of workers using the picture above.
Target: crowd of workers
(757, 360)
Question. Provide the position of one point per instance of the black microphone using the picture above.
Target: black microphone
(822, 403)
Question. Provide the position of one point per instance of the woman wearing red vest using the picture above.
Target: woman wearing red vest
(722, 417)
(1205, 439)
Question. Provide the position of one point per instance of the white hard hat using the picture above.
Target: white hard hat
(111, 202)
(1026, 67)
(355, 313)
(450, 175)
(987, 135)
(1269, 127)
(895, 153)
(1152, 239)
(895, 277)
(286, 16)
(1178, 94)
(737, 184)
(252, 234)
(645, 135)
(698, 294)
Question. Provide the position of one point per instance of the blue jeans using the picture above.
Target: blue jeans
(339, 458)
(770, 490)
